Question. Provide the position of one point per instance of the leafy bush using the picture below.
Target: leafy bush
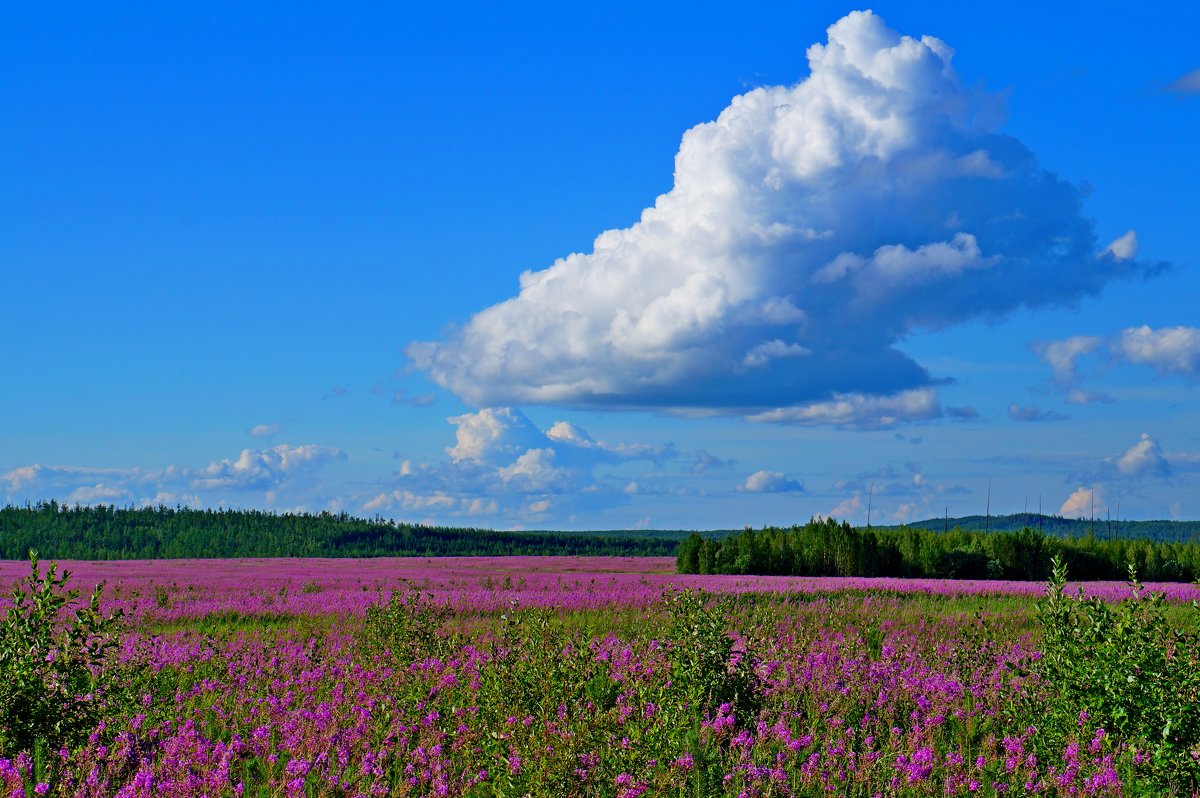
(408, 625)
(705, 664)
(52, 663)
(1128, 670)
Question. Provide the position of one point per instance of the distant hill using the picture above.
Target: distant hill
(1058, 526)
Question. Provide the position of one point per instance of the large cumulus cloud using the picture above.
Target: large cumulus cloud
(809, 229)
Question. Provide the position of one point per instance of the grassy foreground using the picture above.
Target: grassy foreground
(862, 693)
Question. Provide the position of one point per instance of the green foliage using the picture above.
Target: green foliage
(52, 660)
(706, 666)
(1126, 669)
(408, 625)
(825, 547)
(110, 533)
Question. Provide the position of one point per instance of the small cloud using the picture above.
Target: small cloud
(1186, 84)
(764, 353)
(904, 512)
(860, 412)
(1033, 413)
(1125, 247)
(1169, 350)
(847, 509)
(94, 494)
(706, 462)
(336, 392)
(507, 468)
(1144, 458)
(1083, 503)
(264, 430)
(770, 482)
(966, 413)
(1078, 396)
(1063, 355)
(264, 468)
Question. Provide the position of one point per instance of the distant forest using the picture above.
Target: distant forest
(1161, 550)
(101, 532)
(829, 548)
(1058, 526)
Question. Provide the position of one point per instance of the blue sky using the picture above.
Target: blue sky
(273, 257)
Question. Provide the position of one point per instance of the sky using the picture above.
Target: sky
(688, 266)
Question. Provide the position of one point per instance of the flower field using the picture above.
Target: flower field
(608, 677)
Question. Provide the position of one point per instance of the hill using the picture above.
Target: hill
(1060, 527)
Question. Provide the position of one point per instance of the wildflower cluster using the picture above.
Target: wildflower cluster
(625, 688)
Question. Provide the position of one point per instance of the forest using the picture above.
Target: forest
(825, 547)
(100, 532)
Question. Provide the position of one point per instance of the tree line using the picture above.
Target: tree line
(101, 532)
(825, 547)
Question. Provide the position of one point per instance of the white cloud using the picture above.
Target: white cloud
(856, 411)
(265, 472)
(770, 482)
(1083, 503)
(1168, 350)
(502, 463)
(1125, 247)
(805, 235)
(1062, 356)
(97, 494)
(847, 509)
(493, 435)
(764, 353)
(1144, 458)
(264, 468)
(264, 430)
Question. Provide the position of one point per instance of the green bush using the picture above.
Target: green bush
(705, 665)
(408, 625)
(1127, 669)
(52, 664)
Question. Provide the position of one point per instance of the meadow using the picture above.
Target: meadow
(578, 676)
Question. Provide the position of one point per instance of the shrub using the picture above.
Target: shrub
(1127, 669)
(52, 663)
(705, 666)
(408, 625)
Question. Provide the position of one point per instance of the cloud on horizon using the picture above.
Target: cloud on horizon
(502, 464)
(256, 476)
(810, 228)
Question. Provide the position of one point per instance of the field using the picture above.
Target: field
(546, 676)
